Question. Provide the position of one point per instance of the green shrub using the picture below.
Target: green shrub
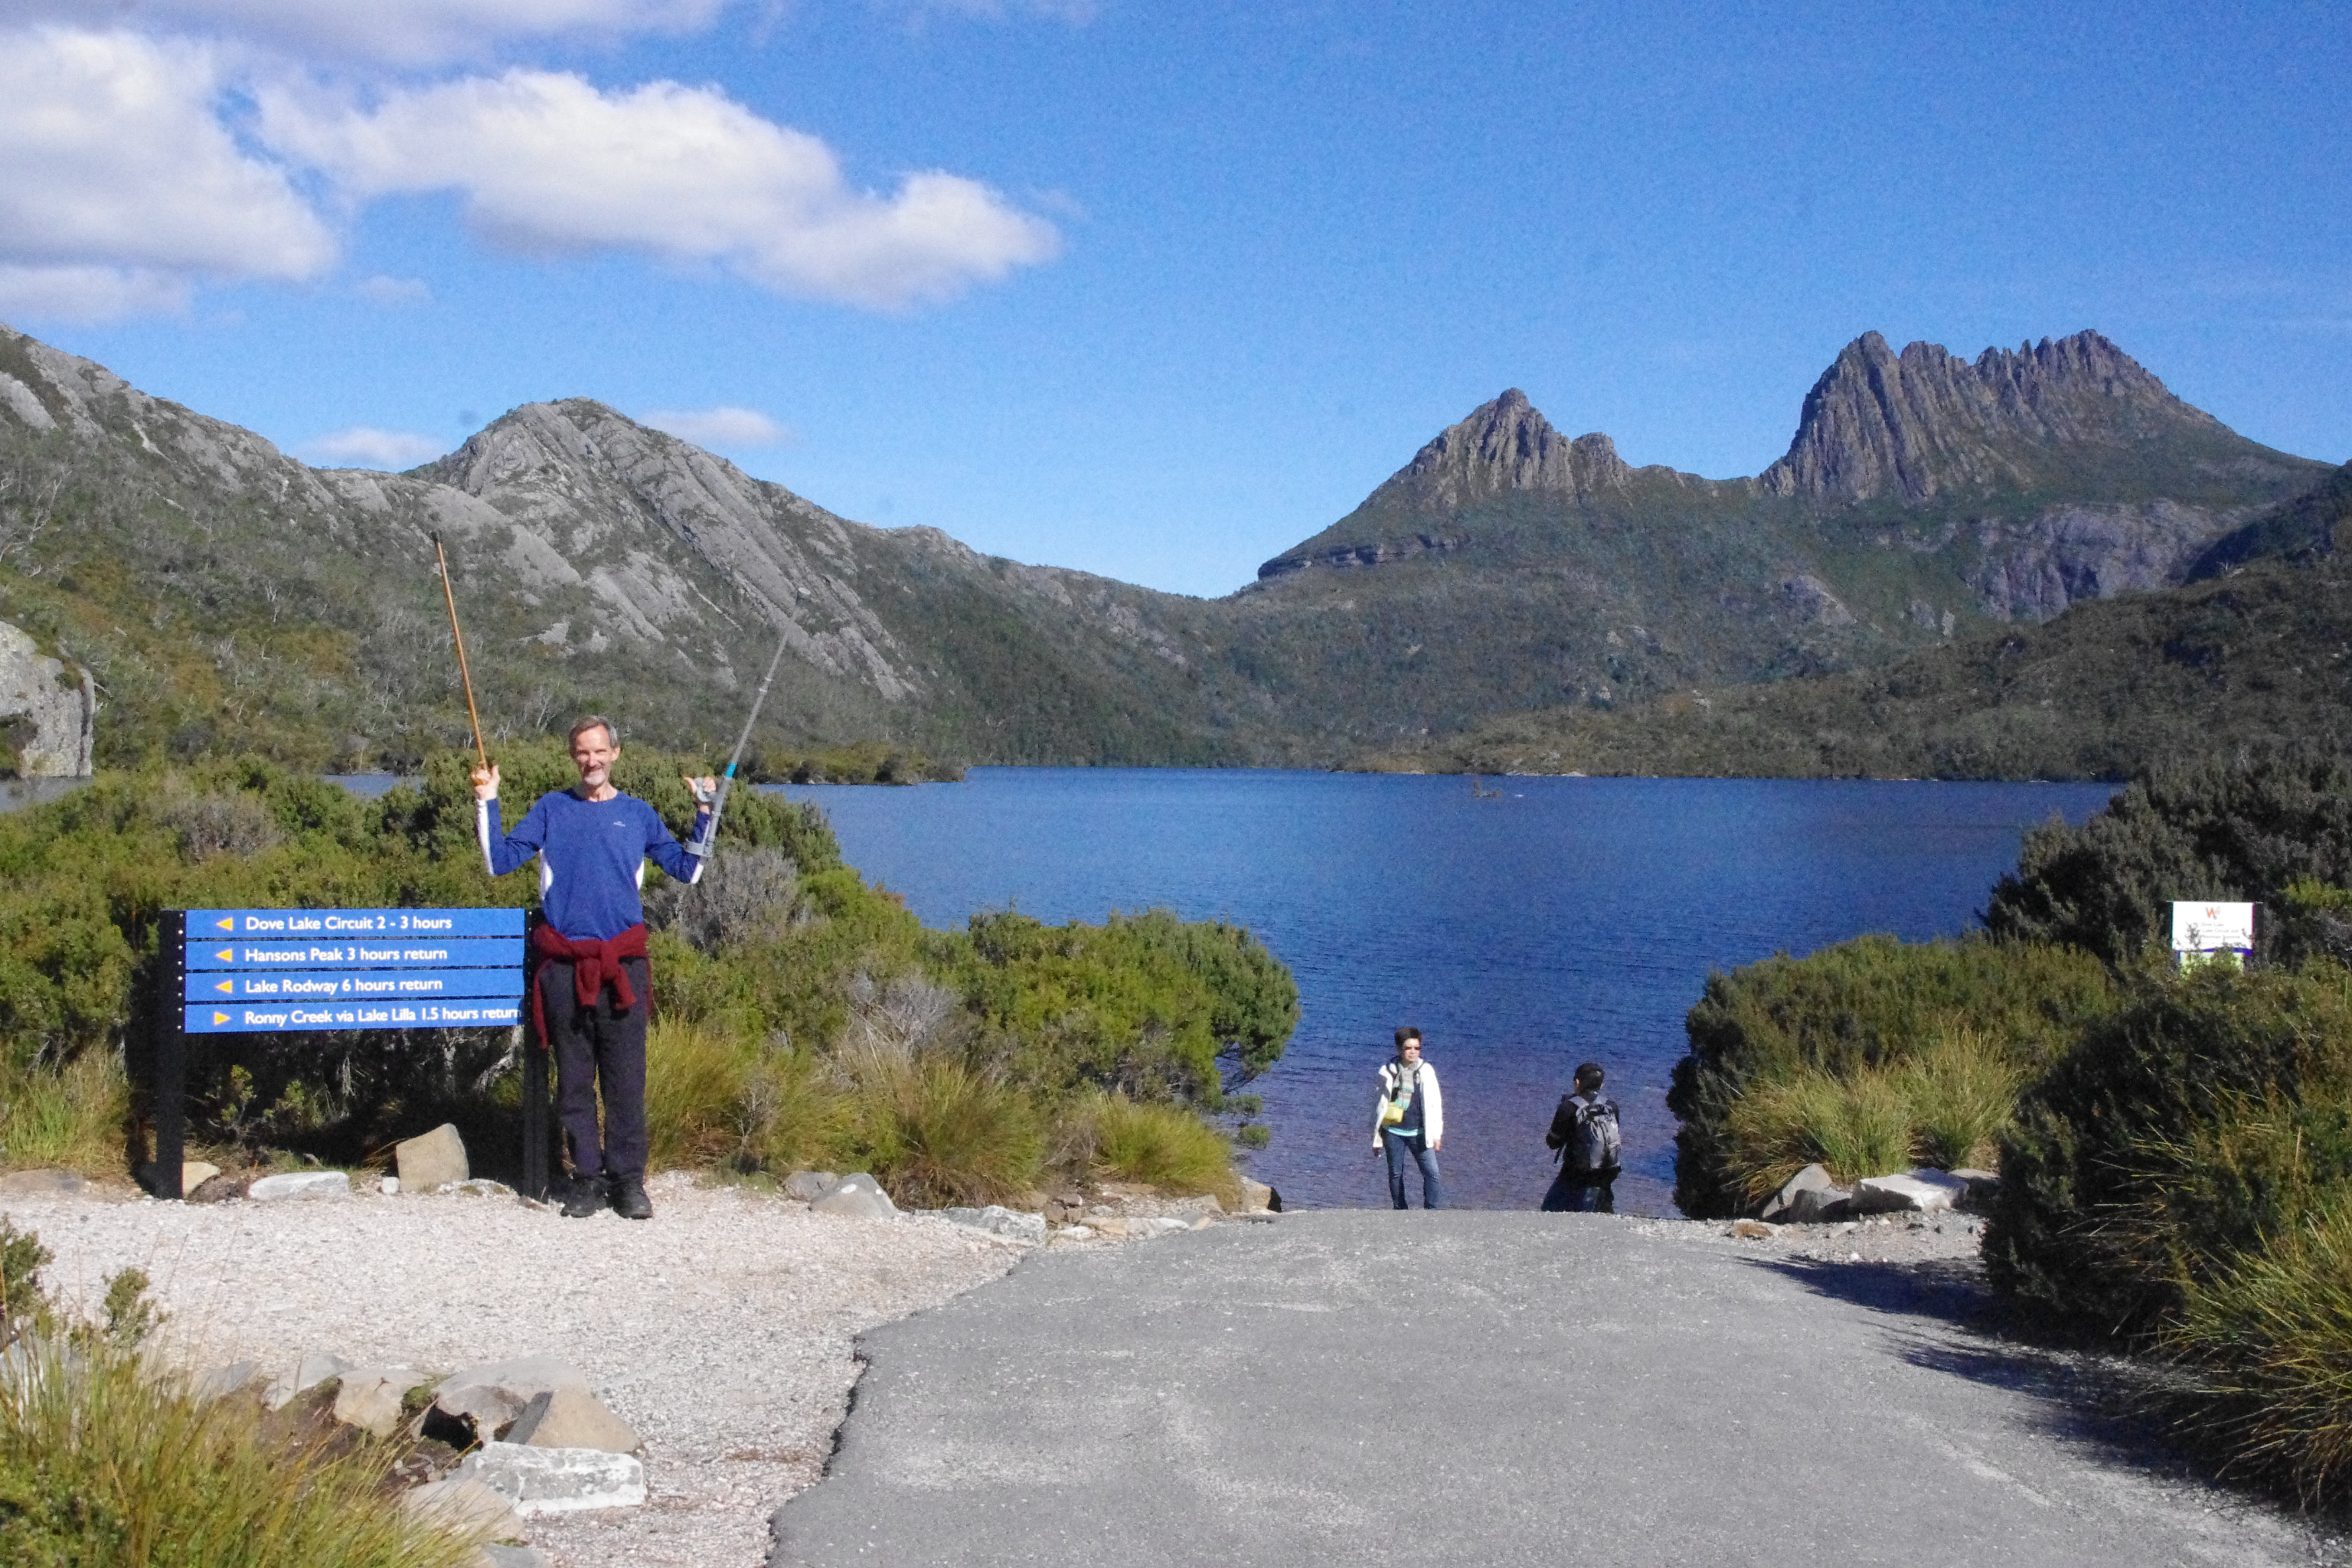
(2241, 829)
(71, 1117)
(1816, 1026)
(2211, 1113)
(1164, 1146)
(938, 1132)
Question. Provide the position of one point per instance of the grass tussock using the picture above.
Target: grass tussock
(1160, 1145)
(2268, 1342)
(70, 1117)
(939, 1131)
(1946, 1104)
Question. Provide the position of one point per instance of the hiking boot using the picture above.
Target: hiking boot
(588, 1197)
(629, 1198)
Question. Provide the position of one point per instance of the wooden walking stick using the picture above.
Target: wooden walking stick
(458, 636)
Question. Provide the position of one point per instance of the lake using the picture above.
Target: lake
(1563, 919)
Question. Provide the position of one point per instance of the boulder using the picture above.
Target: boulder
(997, 1220)
(1812, 1178)
(431, 1158)
(195, 1173)
(572, 1419)
(493, 1395)
(1258, 1198)
(1818, 1205)
(297, 1186)
(1921, 1191)
(857, 1197)
(556, 1481)
(369, 1398)
(461, 1503)
(810, 1185)
(40, 1185)
(1065, 1209)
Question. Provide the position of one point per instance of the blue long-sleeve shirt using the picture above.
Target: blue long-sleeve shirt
(592, 857)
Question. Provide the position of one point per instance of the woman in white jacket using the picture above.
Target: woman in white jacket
(1410, 1121)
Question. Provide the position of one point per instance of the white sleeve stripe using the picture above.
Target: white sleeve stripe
(482, 834)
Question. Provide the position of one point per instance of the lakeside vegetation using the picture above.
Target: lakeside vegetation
(805, 1018)
(2174, 1146)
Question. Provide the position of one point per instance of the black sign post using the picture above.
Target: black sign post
(171, 1064)
(236, 971)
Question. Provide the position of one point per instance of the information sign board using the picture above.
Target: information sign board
(278, 1017)
(363, 953)
(2201, 927)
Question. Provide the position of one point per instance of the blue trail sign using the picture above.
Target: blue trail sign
(243, 972)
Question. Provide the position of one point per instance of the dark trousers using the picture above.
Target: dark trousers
(1402, 1147)
(1582, 1192)
(597, 1048)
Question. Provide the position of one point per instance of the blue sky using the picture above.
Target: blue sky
(1158, 289)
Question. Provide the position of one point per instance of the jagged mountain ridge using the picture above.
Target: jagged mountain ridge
(1506, 567)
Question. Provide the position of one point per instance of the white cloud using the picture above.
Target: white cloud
(549, 164)
(724, 425)
(402, 32)
(88, 293)
(382, 290)
(120, 186)
(365, 447)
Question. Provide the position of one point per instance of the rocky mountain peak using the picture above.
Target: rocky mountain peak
(1926, 422)
(1502, 446)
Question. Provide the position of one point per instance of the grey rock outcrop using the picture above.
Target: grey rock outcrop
(998, 1220)
(369, 1398)
(48, 711)
(810, 1185)
(300, 1186)
(1926, 422)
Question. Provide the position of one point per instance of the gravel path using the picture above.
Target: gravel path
(722, 1330)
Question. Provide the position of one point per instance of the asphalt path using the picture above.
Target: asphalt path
(1492, 1388)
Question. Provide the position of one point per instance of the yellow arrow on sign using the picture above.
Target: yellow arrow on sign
(220, 1017)
(224, 954)
(226, 922)
(225, 986)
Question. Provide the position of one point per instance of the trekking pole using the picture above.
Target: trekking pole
(710, 834)
(442, 556)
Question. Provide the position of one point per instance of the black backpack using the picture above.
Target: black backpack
(1593, 1143)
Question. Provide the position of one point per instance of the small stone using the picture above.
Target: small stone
(1145, 1227)
(220, 1189)
(195, 1173)
(998, 1220)
(297, 1186)
(511, 1557)
(430, 1159)
(1812, 1178)
(312, 1370)
(389, 1186)
(220, 1381)
(1074, 1233)
(493, 1395)
(369, 1398)
(572, 1419)
(556, 1481)
(1065, 1209)
(810, 1185)
(1107, 1225)
(40, 1185)
(1977, 1191)
(1818, 1205)
(857, 1197)
(463, 1504)
(1753, 1230)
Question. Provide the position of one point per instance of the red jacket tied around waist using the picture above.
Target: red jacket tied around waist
(593, 964)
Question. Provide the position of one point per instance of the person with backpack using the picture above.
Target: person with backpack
(1409, 1125)
(1584, 1131)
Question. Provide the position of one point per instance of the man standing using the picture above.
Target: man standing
(592, 986)
(1410, 1122)
(1584, 1131)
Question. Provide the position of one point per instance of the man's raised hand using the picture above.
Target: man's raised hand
(705, 789)
(486, 783)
